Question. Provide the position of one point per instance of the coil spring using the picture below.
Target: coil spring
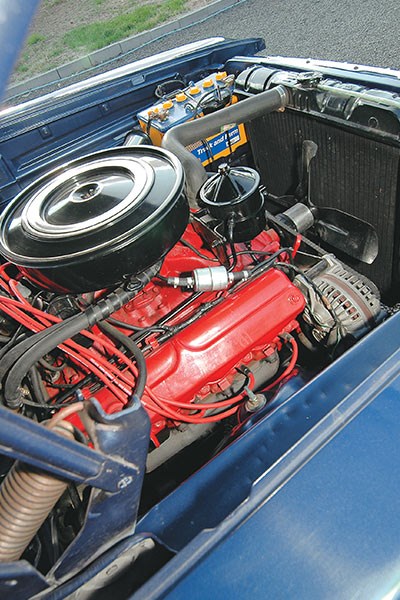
(27, 496)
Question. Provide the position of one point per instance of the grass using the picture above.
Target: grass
(35, 38)
(60, 37)
(23, 67)
(97, 35)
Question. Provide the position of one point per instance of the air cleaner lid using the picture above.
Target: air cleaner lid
(87, 197)
(92, 205)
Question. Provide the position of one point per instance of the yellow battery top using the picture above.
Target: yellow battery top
(181, 97)
(221, 75)
(167, 105)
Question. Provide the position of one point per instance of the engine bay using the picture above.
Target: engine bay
(166, 271)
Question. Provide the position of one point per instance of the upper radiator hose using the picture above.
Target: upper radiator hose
(180, 136)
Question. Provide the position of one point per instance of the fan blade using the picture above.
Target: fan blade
(347, 233)
(285, 201)
(308, 152)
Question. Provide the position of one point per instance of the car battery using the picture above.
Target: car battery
(193, 102)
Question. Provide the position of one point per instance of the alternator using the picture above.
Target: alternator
(341, 302)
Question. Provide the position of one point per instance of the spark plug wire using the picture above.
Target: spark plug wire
(293, 359)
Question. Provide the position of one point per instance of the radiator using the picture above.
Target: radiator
(350, 172)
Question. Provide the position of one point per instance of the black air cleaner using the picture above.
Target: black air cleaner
(89, 223)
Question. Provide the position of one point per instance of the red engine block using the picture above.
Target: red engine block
(201, 359)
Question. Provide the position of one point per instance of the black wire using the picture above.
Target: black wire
(17, 351)
(252, 254)
(203, 98)
(70, 389)
(20, 358)
(270, 263)
(200, 102)
(242, 387)
(228, 139)
(210, 156)
(30, 351)
(197, 252)
(54, 406)
(150, 329)
(38, 388)
(233, 256)
(134, 349)
(17, 337)
(313, 285)
(230, 226)
(205, 307)
(159, 89)
(259, 252)
(139, 337)
(63, 386)
(54, 368)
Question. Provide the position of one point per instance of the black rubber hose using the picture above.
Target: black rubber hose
(136, 329)
(39, 390)
(61, 332)
(12, 355)
(134, 349)
(177, 138)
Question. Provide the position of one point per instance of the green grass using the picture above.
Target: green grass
(97, 35)
(22, 68)
(35, 38)
(56, 51)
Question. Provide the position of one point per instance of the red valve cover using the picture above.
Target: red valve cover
(201, 358)
(206, 352)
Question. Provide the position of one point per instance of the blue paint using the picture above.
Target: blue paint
(304, 504)
(77, 123)
(321, 522)
(24, 439)
(16, 17)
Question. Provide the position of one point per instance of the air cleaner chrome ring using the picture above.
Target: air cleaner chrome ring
(84, 184)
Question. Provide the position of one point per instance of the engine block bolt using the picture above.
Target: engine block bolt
(255, 401)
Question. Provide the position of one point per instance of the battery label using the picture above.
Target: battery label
(218, 145)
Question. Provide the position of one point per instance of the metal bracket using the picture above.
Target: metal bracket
(110, 516)
(115, 470)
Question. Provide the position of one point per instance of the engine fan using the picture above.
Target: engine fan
(339, 230)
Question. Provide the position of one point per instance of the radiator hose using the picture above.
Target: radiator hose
(177, 138)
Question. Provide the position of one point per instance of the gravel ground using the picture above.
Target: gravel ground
(359, 32)
(364, 32)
